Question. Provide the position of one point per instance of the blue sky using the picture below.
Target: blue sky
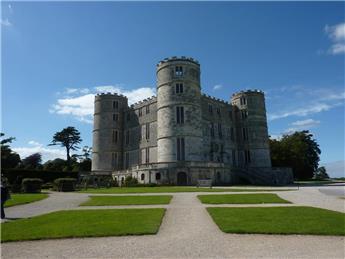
(56, 56)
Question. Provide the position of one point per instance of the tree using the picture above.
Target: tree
(86, 152)
(9, 158)
(57, 164)
(69, 138)
(298, 151)
(33, 161)
(321, 173)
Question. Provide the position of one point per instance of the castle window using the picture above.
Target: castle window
(243, 101)
(114, 160)
(141, 133)
(244, 114)
(247, 156)
(179, 88)
(127, 160)
(147, 130)
(180, 148)
(220, 133)
(245, 133)
(147, 109)
(147, 155)
(179, 115)
(142, 177)
(115, 117)
(218, 111)
(127, 137)
(140, 112)
(210, 109)
(115, 104)
(158, 176)
(115, 136)
(178, 71)
(212, 129)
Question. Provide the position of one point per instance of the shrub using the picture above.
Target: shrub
(32, 185)
(65, 184)
(131, 181)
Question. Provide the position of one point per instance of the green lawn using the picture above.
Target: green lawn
(165, 189)
(279, 220)
(242, 198)
(84, 223)
(127, 200)
(17, 199)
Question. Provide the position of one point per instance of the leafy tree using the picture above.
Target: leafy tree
(86, 152)
(33, 161)
(69, 138)
(57, 164)
(298, 151)
(9, 158)
(321, 173)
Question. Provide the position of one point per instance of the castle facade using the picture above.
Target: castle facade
(182, 136)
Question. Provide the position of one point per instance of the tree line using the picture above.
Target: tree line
(69, 138)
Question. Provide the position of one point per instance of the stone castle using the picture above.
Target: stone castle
(182, 136)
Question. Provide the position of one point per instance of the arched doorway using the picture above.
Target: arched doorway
(181, 178)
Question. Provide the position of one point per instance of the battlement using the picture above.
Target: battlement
(111, 95)
(175, 58)
(144, 102)
(253, 91)
(214, 99)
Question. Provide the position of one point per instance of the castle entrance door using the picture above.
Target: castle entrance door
(181, 178)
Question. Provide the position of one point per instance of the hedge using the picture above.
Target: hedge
(64, 184)
(15, 176)
(31, 185)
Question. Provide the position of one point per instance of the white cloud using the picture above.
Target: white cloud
(48, 153)
(336, 168)
(217, 87)
(5, 22)
(81, 104)
(302, 125)
(337, 35)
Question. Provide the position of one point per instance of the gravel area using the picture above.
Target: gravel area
(187, 231)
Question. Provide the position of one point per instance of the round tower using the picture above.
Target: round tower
(107, 132)
(179, 136)
(252, 128)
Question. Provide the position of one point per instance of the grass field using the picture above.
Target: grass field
(256, 198)
(279, 220)
(17, 199)
(84, 223)
(167, 189)
(127, 200)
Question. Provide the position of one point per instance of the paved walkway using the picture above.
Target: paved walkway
(187, 231)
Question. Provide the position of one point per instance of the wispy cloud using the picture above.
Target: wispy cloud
(336, 33)
(5, 22)
(217, 87)
(302, 125)
(48, 153)
(79, 102)
(322, 100)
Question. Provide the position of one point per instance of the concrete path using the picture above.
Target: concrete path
(187, 231)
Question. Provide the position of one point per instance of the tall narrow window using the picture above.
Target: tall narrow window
(147, 130)
(243, 101)
(180, 148)
(115, 136)
(127, 160)
(179, 88)
(218, 111)
(140, 112)
(127, 137)
(210, 109)
(141, 133)
(115, 117)
(247, 156)
(114, 160)
(245, 133)
(179, 115)
(212, 129)
(220, 133)
(244, 114)
(178, 71)
(147, 155)
(233, 157)
(147, 109)
(115, 104)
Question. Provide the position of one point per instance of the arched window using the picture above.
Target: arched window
(158, 176)
(142, 177)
